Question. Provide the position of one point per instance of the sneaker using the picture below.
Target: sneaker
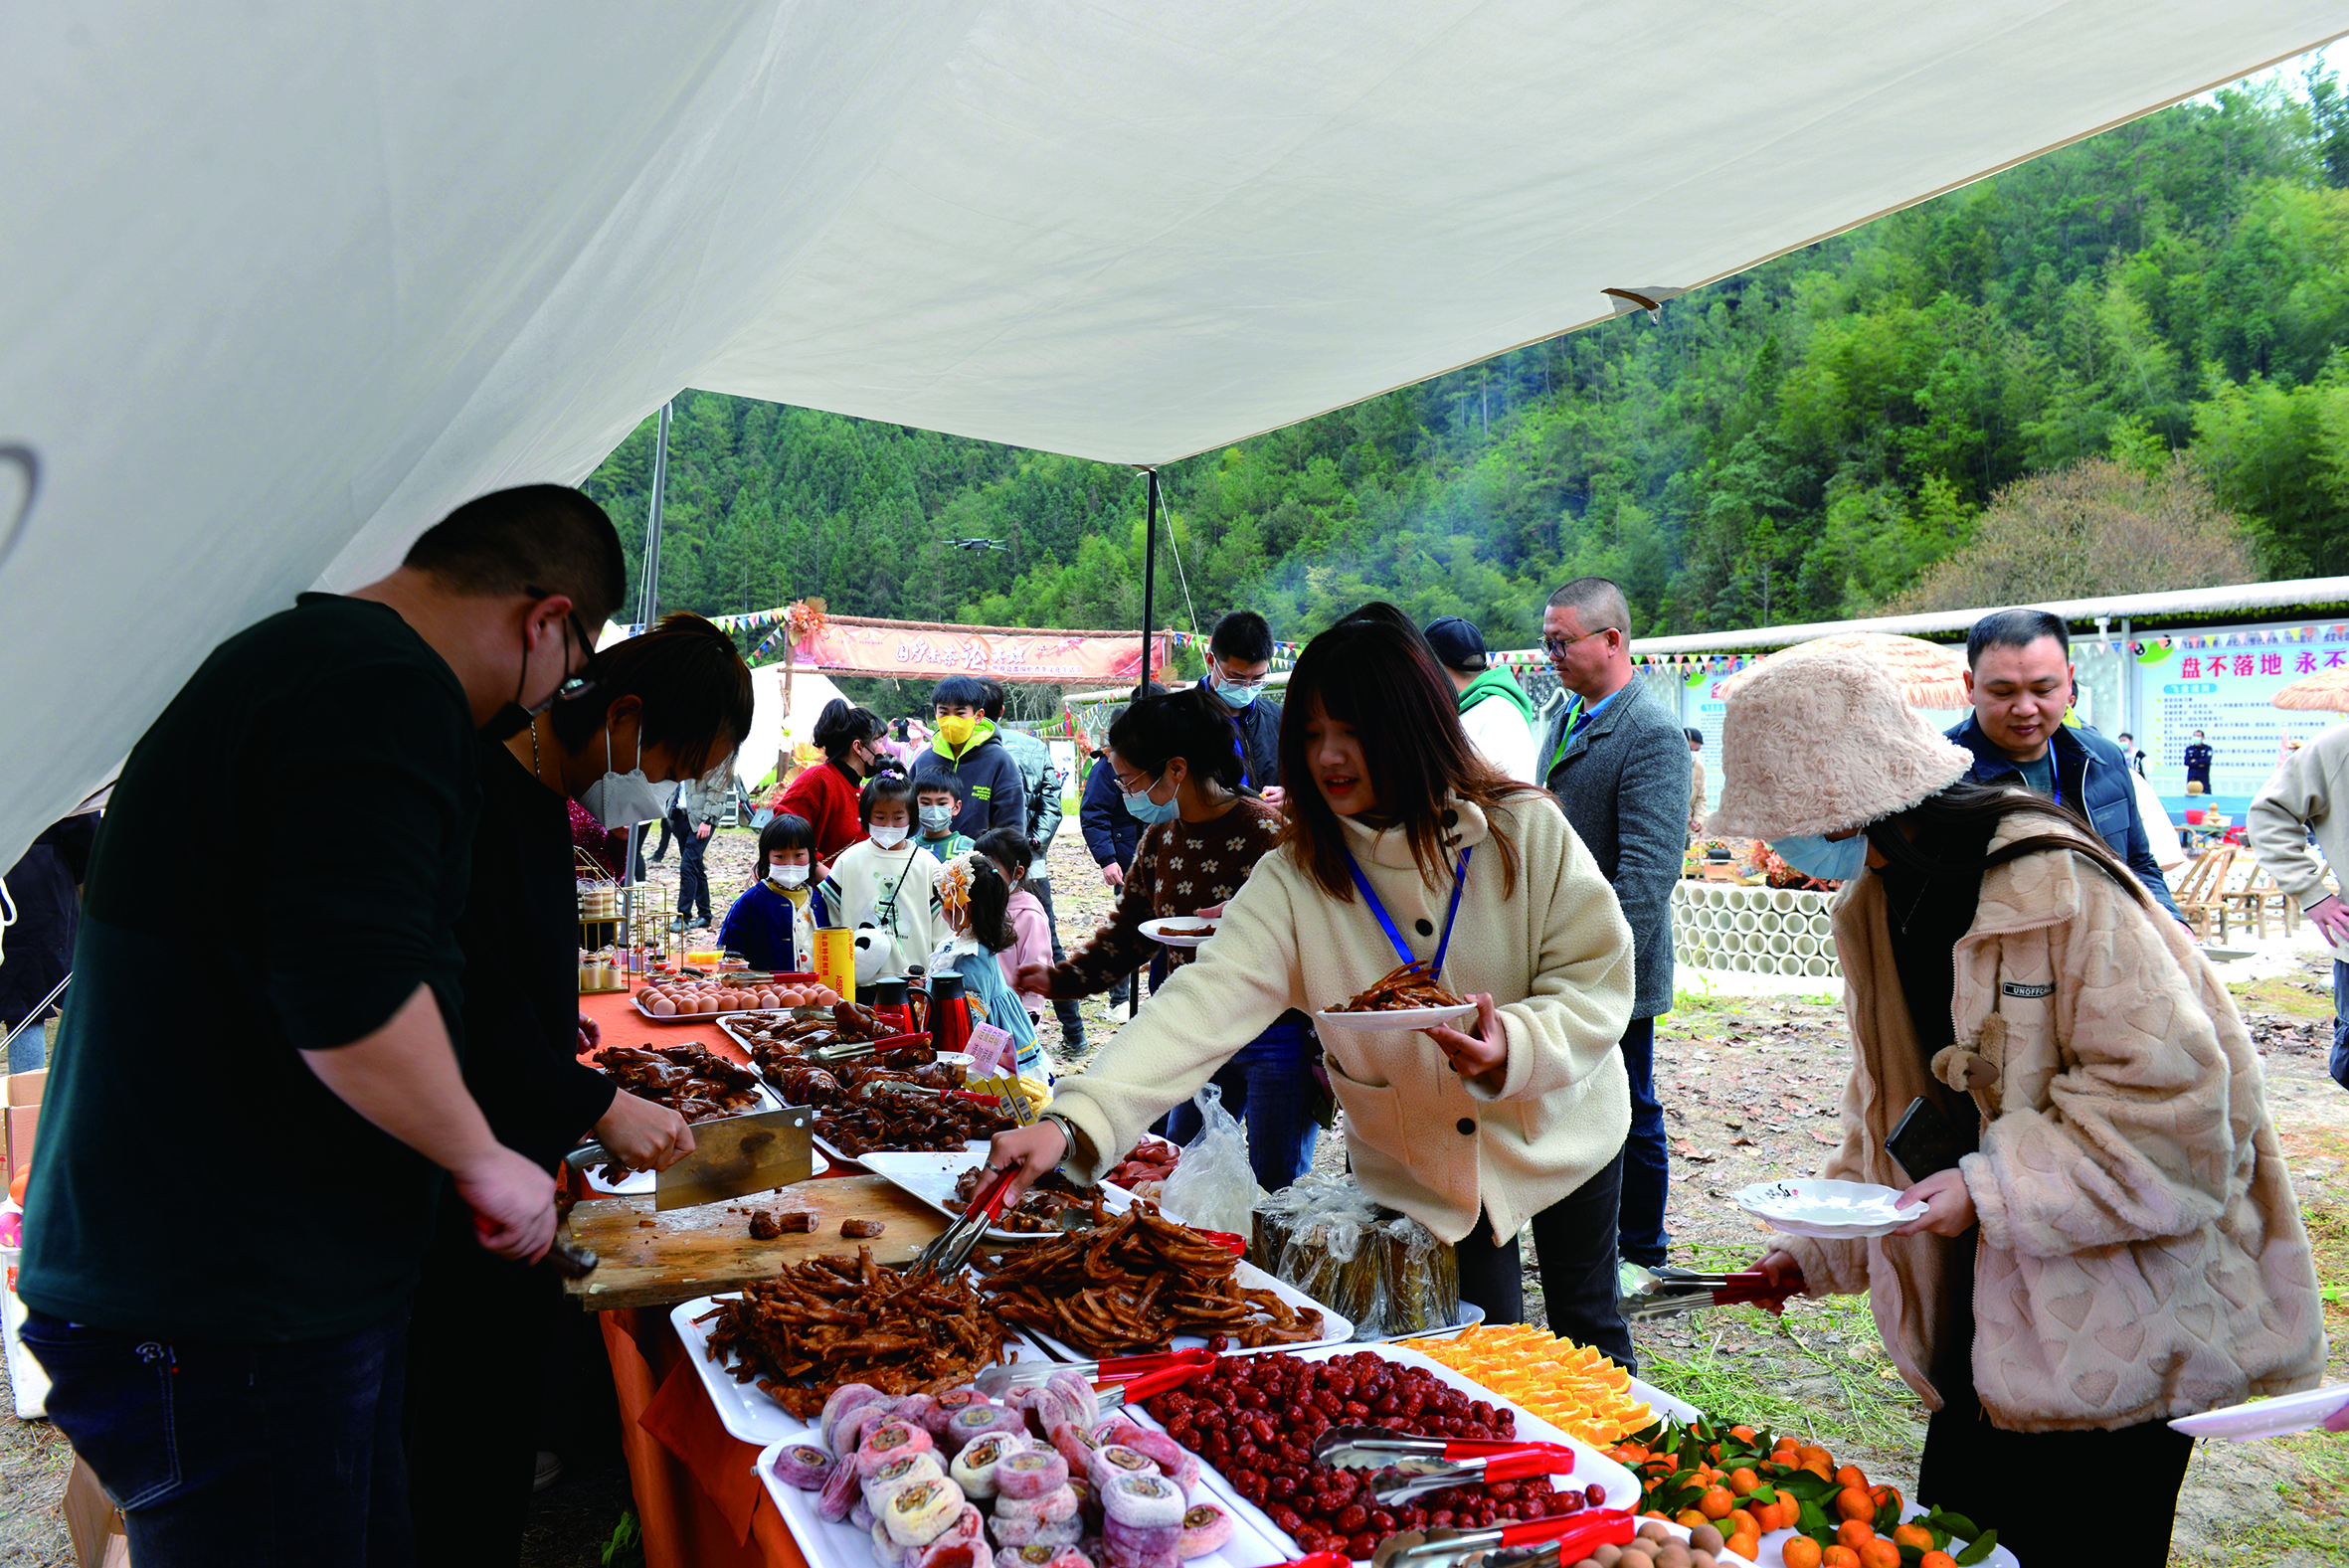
(550, 1471)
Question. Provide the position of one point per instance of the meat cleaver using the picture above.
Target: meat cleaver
(732, 1156)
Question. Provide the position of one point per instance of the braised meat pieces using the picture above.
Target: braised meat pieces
(835, 1321)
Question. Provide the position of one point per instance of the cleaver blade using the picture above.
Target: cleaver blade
(734, 1155)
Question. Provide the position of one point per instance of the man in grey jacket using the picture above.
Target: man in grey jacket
(1619, 764)
(695, 813)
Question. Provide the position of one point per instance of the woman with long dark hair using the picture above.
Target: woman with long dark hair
(1401, 841)
(670, 705)
(2110, 1238)
(826, 793)
(1198, 846)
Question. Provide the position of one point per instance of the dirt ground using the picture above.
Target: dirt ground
(1749, 1087)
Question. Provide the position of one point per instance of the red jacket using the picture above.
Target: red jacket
(826, 796)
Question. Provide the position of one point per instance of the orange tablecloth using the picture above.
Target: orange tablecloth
(697, 1501)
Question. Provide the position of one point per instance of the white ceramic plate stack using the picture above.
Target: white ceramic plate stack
(1827, 1210)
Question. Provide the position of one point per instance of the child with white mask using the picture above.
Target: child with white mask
(884, 888)
(772, 925)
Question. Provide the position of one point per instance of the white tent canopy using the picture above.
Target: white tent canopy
(282, 283)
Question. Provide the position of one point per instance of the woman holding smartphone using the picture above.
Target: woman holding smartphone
(2116, 1242)
(1403, 842)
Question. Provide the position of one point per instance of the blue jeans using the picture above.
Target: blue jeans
(242, 1456)
(2340, 1061)
(1268, 1085)
(1640, 1229)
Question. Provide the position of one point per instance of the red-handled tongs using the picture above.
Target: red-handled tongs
(1571, 1537)
(1431, 1463)
(951, 1247)
(1667, 1293)
(998, 1381)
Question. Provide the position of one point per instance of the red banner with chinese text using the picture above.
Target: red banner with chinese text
(915, 650)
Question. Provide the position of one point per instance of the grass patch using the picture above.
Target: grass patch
(2281, 994)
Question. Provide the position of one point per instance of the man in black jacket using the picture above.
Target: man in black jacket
(1617, 761)
(2198, 763)
(1239, 656)
(2019, 673)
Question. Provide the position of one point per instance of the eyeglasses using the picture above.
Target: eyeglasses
(1557, 647)
(579, 683)
(1144, 788)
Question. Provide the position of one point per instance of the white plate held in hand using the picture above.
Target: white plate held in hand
(1827, 1210)
(1402, 1020)
(1175, 933)
(2267, 1418)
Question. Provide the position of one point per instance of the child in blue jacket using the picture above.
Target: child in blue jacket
(773, 926)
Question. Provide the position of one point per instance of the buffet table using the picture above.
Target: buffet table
(699, 1503)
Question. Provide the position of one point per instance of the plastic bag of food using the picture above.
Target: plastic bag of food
(1332, 1257)
(1214, 1187)
(1420, 1276)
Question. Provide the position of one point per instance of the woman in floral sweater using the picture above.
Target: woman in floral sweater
(1179, 767)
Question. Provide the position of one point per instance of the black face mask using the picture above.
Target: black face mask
(512, 719)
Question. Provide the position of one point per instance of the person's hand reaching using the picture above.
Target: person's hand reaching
(1114, 874)
(1032, 1151)
(1949, 1207)
(1033, 979)
(1483, 1051)
(1784, 1274)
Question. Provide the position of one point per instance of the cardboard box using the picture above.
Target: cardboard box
(94, 1522)
(22, 1114)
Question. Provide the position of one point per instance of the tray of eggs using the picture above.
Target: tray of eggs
(695, 1001)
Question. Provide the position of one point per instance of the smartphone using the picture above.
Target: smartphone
(1923, 1143)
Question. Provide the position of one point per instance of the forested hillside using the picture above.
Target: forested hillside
(1797, 443)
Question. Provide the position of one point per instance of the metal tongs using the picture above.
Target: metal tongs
(997, 1382)
(1433, 1464)
(857, 1050)
(1563, 1538)
(1666, 1291)
(951, 1247)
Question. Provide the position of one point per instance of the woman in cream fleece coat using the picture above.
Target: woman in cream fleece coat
(2116, 1243)
(1472, 1132)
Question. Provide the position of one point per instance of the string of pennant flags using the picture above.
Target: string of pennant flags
(1730, 663)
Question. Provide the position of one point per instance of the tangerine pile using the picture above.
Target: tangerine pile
(1572, 1387)
(1747, 1484)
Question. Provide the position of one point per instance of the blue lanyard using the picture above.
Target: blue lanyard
(1386, 921)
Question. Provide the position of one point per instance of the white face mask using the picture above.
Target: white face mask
(620, 799)
(887, 837)
(788, 876)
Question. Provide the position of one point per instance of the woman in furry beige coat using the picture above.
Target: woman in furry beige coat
(2117, 1242)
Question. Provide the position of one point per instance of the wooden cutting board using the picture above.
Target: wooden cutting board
(686, 1253)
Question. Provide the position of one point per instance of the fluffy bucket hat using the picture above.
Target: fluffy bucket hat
(1821, 741)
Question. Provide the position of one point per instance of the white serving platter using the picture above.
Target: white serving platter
(1827, 1210)
(1622, 1488)
(1158, 931)
(843, 1546)
(1336, 1331)
(2267, 1418)
(932, 1176)
(744, 1409)
(1401, 1020)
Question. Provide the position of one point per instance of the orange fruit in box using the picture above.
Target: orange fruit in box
(1886, 1495)
(1741, 1521)
(1742, 1481)
(1839, 1557)
(1745, 1546)
(1853, 1503)
(1800, 1552)
(1915, 1536)
(1879, 1553)
(1854, 1533)
(1852, 1475)
(1689, 1517)
(1716, 1503)
(1936, 1560)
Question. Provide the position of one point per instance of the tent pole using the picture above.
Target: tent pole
(1150, 562)
(648, 602)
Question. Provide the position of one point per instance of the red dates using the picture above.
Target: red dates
(1255, 1419)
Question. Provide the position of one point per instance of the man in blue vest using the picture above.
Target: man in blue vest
(2019, 674)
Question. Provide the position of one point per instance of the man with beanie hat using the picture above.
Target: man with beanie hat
(1492, 708)
(1618, 763)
